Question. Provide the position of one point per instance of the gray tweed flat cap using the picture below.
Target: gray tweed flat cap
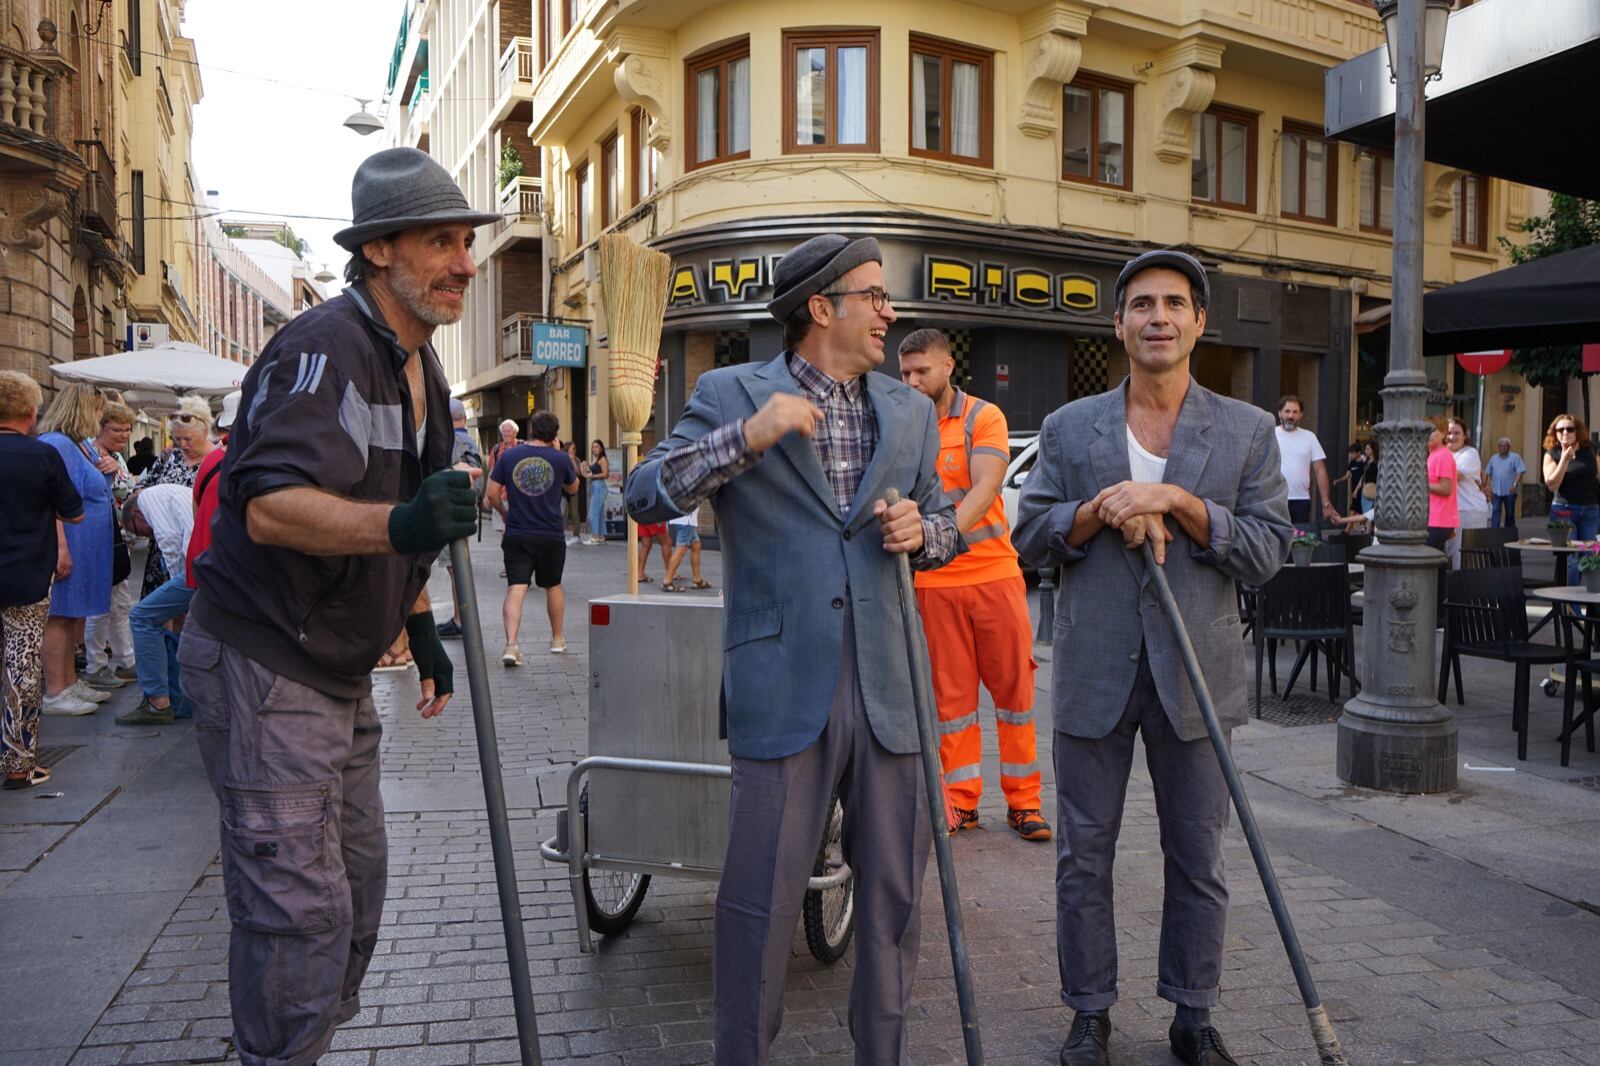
(1171, 259)
(399, 188)
(813, 266)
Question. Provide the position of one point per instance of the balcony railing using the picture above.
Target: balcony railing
(516, 336)
(521, 203)
(416, 120)
(25, 95)
(99, 201)
(517, 66)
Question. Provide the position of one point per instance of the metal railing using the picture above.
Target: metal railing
(521, 202)
(518, 65)
(516, 336)
(99, 201)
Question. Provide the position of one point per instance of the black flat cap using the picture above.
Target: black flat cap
(807, 270)
(1171, 259)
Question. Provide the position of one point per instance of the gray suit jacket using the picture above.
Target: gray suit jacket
(790, 558)
(1224, 452)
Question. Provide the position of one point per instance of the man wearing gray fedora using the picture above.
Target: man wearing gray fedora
(336, 495)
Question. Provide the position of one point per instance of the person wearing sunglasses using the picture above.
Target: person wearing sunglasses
(190, 427)
(1569, 472)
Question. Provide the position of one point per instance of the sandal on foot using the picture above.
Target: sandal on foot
(702, 585)
(37, 776)
(671, 586)
(644, 579)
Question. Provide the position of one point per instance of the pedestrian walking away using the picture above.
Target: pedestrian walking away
(527, 486)
(336, 495)
(685, 541)
(1162, 459)
(40, 497)
(1302, 459)
(1505, 469)
(794, 455)
(975, 610)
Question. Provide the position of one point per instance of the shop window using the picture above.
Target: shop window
(1309, 189)
(583, 204)
(719, 99)
(1223, 170)
(1471, 201)
(830, 100)
(610, 182)
(1096, 128)
(1376, 174)
(642, 159)
(952, 102)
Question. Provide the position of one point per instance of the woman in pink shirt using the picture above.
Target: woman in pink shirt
(1443, 513)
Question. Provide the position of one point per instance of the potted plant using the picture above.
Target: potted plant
(1589, 567)
(1302, 546)
(1558, 528)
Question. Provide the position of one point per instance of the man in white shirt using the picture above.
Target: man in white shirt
(165, 514)
(1301, 455)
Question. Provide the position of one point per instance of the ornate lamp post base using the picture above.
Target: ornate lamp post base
(1394, 737)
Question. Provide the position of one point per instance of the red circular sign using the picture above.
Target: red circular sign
(1484, 362)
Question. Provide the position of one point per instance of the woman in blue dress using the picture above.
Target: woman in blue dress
(73, 419)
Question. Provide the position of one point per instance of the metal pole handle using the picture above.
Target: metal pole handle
(494, 795)
(1321, 1026)
(933, 775)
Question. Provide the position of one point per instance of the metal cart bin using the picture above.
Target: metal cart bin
(652, 798)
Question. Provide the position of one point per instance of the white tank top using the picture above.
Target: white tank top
(1144, 466)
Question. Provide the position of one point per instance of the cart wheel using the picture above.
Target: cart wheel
(830, 913)
(612, 896)
(1550, 687)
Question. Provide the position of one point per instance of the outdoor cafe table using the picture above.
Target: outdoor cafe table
(1558, 553)
(1568, 598)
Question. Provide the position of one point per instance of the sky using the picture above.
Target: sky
(280, 78)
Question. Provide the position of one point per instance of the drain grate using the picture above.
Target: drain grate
(52, 756)
(1302, 708)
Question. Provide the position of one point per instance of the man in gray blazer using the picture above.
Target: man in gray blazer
(795, 456)
(1162, 459)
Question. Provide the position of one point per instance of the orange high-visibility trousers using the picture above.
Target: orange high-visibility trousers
(982, 633)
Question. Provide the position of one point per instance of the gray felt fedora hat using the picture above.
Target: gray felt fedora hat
(804, 271)
(399, 188)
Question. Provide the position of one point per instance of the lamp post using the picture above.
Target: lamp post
(1395, 736)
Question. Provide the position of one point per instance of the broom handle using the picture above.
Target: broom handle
(630, 455)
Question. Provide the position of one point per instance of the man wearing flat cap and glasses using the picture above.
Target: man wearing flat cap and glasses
(336, 495)
(795, 456)
(1158, 458)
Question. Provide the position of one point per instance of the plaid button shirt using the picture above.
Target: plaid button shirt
(845, 439)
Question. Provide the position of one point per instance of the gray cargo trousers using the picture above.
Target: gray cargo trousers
(304, 856)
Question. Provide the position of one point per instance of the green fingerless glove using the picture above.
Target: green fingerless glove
(444, 509)
(427, 651)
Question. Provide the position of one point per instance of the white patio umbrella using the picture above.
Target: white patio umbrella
(159, 375)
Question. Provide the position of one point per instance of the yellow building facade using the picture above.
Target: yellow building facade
(1009, 156)
(161, 82)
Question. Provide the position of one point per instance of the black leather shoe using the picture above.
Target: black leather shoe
(1200, 1046)
(1086, 1043)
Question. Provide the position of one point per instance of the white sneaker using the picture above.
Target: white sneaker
(558, 646)
(87, 694)
(512, 656)
(64, 703)
(572, 540)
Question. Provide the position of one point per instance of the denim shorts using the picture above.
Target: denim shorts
(683, 536)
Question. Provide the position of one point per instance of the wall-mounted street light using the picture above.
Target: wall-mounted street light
(1436, 17)
(363, 121)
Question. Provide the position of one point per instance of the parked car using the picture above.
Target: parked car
(1024, 449)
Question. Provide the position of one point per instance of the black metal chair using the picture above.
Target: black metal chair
(1579, 652)
(1248, 596)
(1486, 617)
(1309, 605)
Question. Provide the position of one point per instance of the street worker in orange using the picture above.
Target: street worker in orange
(975, 609)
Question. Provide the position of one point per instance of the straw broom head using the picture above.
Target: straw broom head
(633, 285)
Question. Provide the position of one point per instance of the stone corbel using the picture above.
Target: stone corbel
(27, 229)
(1441, 192)
(1185, 85)
(1052, 49)
(642, 76)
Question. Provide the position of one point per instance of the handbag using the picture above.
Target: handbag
(121, 558)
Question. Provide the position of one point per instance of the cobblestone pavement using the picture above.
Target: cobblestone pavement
(1422, 954)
